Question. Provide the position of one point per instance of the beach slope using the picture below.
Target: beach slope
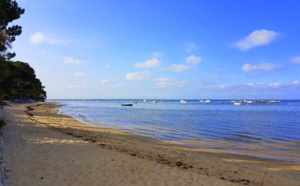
(42, 147)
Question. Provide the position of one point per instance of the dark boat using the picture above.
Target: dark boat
(127, 104)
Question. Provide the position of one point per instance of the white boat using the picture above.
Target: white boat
(237, 103)
(207, 101)
(183, 101)
(249, 102)
(274, 101)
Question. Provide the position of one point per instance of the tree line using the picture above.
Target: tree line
(17, 79)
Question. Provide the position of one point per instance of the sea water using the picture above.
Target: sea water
(194, 123)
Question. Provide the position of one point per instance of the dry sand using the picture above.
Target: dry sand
(42, 147)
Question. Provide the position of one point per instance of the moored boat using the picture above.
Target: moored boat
(274, 101)
(237, 103)
(183, 101)
(127, 104)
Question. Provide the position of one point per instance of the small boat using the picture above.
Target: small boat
(237, 103)
(207, 101)
(274, 101)
(183, 101)
(249, 102)
(127, 104)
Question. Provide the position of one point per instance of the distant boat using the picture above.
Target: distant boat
(183, 101)
(274, 101)
(127, 104)
(158, 101)
(207, 101)
(237, 103)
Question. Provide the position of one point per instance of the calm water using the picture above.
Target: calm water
(259, 123)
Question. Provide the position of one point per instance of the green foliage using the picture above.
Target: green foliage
(22, 83)
(17, 79)
(9, 11)
(4, 69)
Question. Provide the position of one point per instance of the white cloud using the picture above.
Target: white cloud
(257, 90)
(256, 38)
(275, 85)
(254, 84)
(295, 60)
(272, 85)
(169, 83)
(138, 76)
(37, 38)
(193, 59)
(79, 74)
(190, 47)
(176, 68)
(71, 60)
(81, 85)
(151, 63)
(260, 67)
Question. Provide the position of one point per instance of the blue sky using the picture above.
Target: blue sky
(163, 49)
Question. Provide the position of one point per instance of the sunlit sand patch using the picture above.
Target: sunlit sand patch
(56, 141)
(240, 160)
(291, 167)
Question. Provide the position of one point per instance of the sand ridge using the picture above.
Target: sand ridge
(44, 148)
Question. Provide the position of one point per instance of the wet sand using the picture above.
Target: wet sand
(42, 147)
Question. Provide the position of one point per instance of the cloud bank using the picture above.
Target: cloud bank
(260, 67)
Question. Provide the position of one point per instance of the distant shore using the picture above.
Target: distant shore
(42, 147)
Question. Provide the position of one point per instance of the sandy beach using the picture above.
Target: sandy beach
(41, 147)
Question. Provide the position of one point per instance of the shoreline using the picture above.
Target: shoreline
(283, 150)
(203, 165)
